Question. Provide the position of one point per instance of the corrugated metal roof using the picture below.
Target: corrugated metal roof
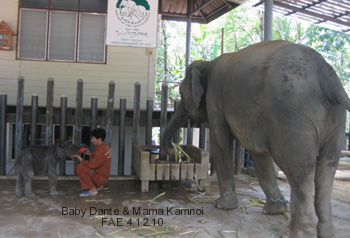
(201, 11)
(333, 14)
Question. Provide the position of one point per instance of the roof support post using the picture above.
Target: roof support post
(268, 18)
(188, 132)
(188, 32)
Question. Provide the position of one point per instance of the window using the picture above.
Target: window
(62, 30)
(3, 39)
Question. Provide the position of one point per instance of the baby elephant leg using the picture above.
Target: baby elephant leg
(52, 183)
(19, 184)
(28, 175)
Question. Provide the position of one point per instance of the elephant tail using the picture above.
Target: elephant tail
(343, 99)
(333, 87)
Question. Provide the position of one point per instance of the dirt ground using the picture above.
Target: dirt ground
(166, 211)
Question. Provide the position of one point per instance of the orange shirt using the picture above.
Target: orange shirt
(99, 161)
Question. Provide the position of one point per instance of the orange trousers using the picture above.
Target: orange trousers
(89, 179)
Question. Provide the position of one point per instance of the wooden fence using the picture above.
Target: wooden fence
(109, 117)
(33, 115)
(78, 117)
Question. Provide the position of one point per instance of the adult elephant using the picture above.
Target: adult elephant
(286, 104)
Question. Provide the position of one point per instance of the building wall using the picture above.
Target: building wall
(124, 65)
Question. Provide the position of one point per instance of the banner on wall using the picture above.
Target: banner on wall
(132, 23)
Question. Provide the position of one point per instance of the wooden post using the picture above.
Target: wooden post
(222, 40)
(34, 120)
(202, 136)
(78, 118)
(189, 133)
(268, 20)
(238, 157)
(163, 117)
(188, 32)
(121, 145)
(93, 118)
(63, 118)
(110, 110)
(136, 114)
(163, 110)
(149, 117)
(3, 105)
(93, 113)
(19, 116)
(63, 130)
(177, 133)
(49, 112)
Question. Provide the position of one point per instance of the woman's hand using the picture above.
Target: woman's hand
(88, 152)
(77, 156)
(109, 154)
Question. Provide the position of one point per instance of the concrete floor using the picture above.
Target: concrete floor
(44, 215)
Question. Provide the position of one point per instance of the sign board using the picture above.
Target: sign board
(132, 23)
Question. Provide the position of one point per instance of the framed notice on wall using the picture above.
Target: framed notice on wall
(132, 23)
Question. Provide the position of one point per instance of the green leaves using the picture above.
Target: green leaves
(242, 27)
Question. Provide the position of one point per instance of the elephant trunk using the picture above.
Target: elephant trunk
(178, 120)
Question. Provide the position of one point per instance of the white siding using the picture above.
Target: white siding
(124, 65)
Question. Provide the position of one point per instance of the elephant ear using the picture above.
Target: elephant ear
(59, 150)
(197, 89)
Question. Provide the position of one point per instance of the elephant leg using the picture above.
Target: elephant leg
(52, 178)
(326, 167)
(275, 202)
(221, 149)
(28, 175)
(19, 183)
(299, 165)
(52, 184)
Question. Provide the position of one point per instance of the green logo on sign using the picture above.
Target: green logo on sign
(133, 12)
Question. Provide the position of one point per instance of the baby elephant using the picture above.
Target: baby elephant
(41, 160)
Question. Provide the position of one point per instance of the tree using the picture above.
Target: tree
(170, 63)
(334, 47)
(242, 27)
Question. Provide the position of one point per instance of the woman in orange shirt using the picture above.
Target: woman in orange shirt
(95, 172)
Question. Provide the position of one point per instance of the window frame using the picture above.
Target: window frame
(79, 13)
(79, 38)
(19, 35)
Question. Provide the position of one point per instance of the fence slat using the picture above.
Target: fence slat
(78, 118)
(189, 133)
(49, 112)
(164, 109)
(202, 136)
(238, 157)
(63, 118)
(93, 113)
(34, 119)
(136, 114)
(19, 116)
(149, 122)
(3, 105)
(163, 117)
(177, 133)
(121, 145)
(63, 130)
(93, 118)
(110, 110)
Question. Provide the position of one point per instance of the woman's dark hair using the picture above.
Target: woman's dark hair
(99, 133)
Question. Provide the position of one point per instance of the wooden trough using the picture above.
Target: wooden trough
(148, 170)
